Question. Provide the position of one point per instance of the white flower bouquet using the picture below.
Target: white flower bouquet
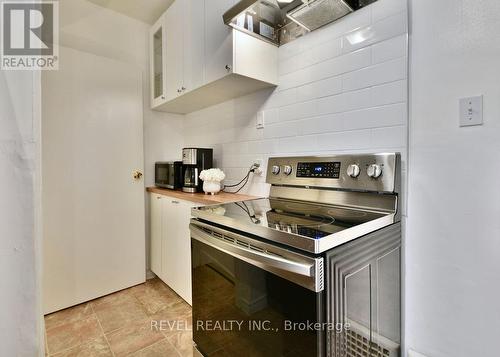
(216, 175)
(211, 180)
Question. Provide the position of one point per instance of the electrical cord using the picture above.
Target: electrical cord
(244, 181)
(253, 218)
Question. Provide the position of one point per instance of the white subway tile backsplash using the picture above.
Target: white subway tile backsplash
(236, 148)
(326, 50)
(290, 49)
(237, 161)
(323, 88)
(280, 130)
(389, 115)
(345, 140)
(390, 49)
(374, 75)
(282, 98)
(244, 120)
(247, 133)
(343, 64)
(343, 102)
(271, 116)
(385, 29)
(384, 8)
(303, 144)
(262, 146)
(316, 54)
(392, 137)
(333, 67)
(343, 88)
(321, 124)
(297, 111)
(389, 93)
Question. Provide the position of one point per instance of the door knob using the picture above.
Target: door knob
(137, 175)
(228, 67)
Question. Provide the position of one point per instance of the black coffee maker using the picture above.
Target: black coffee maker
(195, 160)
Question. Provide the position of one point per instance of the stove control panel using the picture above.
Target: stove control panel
(329, 170)
(360, 172)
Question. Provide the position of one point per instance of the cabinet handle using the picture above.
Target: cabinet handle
(175, 202)
(179, 91)
(158, 197)
(183, 88)
(228, 67)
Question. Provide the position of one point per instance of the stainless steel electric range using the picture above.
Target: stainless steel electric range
(313, 270)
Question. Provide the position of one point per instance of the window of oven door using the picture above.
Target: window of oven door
(242, 310)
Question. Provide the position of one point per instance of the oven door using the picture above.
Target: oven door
(251, 298)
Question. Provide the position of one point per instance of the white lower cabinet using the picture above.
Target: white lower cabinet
(156, 233)
(171, 243)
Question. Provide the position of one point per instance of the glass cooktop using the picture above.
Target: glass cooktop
(309, 220)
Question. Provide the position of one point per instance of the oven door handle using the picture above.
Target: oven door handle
(309, 272)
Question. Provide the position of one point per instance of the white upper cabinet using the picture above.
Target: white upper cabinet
(205, 61)
(174, 51)
(157, 41)
(218, 40)
(194, 49)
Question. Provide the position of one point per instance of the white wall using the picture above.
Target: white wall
(342, 88)
(453, 233)
(20, 331)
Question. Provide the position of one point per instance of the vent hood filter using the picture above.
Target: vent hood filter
(282, 21)
(317, 13)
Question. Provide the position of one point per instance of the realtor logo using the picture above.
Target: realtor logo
(29, 35)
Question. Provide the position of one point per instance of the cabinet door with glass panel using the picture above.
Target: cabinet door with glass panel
(157, 60)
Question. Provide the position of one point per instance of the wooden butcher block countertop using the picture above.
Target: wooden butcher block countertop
(201, 198)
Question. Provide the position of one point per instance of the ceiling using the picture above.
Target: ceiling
(143, 10)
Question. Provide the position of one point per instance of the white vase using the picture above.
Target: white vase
(211, 187)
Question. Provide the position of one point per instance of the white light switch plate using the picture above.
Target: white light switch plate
(471, 111)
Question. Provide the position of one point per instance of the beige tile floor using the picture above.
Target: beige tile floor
(123, 324)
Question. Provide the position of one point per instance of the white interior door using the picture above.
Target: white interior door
(93, 208)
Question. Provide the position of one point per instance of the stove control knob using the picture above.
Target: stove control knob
(353, 170)
(287, 170)
(374, 171)
(275, 170)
